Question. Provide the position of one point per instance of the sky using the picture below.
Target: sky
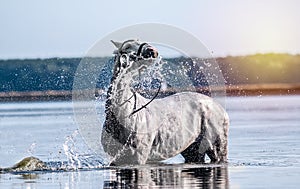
(68, 28)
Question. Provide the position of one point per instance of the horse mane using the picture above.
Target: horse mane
(111, 123)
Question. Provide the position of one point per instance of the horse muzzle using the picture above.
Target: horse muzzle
(149, 52)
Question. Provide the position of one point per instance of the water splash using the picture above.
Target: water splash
(148, 80)
(31, 149)
(79, 155)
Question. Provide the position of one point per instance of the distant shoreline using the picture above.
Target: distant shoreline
(263, 89)
(233, 90)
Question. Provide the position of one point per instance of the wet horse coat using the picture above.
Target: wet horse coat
(139, 130)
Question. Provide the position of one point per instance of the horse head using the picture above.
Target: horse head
(133, 54)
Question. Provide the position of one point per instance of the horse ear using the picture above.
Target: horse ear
(117, 44)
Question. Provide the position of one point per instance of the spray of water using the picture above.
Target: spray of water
(78, 154)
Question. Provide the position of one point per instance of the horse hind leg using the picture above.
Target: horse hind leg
(222, 151)
(192, 154)
(212, 154)
(195, 153)
(218, 151)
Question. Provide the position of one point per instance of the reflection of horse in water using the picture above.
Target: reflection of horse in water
(170, 177)
(139, 129)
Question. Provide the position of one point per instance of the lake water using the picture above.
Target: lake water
(264, 150)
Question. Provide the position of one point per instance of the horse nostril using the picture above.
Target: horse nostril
(155, 54)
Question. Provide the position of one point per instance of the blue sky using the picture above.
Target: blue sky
(65, 28)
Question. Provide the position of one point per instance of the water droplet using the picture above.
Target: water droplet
(32, 148)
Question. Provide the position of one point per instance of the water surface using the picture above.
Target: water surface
(264, 150)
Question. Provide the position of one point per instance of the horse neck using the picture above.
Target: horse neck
(121, 88)
(120, 92)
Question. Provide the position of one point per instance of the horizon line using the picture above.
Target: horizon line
(78, 56)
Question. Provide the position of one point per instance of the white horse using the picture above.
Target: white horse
(138, 130)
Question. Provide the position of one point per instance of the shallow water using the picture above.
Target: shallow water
(264, 150)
